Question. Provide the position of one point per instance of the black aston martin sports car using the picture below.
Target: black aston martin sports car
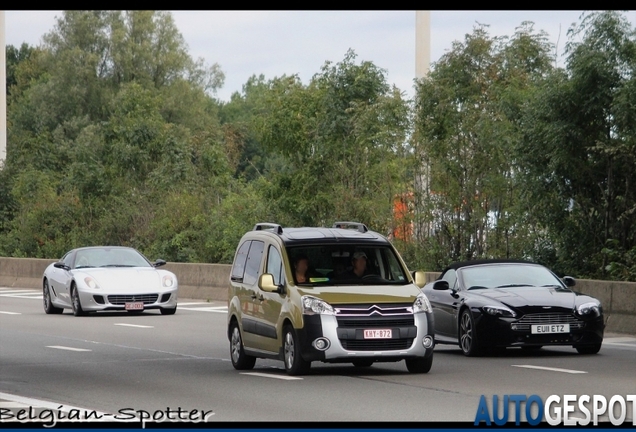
(490, 304)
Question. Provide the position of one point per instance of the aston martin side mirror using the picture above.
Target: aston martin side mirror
(441, 285)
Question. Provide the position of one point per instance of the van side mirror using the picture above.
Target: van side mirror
(266, 283)
(419, 278)
(159, 263)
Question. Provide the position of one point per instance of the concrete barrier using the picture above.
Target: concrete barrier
(210, 282)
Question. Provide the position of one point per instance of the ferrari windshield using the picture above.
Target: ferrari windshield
(346, 265)
(508, 276)
(109, 257)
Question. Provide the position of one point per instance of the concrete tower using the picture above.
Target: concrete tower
(422, 43)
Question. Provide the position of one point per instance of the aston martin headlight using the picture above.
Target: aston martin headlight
(168, 281)
(313, 305)
(590, 309)
(421, 304)
(499, 311)
(90, 282)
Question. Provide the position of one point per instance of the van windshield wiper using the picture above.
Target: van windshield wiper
(513, 285)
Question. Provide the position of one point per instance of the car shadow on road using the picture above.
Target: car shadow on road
(146, 313)
(513, 352)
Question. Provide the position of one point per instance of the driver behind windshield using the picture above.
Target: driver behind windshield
(359, 266)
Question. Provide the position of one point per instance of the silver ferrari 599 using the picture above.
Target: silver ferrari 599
(108, 278)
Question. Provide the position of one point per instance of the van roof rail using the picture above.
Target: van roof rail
(348, 225)
(266, 226)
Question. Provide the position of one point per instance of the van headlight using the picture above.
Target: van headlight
(421, 304)
(313, 305)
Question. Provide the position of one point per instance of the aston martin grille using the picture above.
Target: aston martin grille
(548, 318)
(123, 299)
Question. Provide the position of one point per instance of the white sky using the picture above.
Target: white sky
(275, 43)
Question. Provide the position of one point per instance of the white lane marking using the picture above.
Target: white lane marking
(4, 404)
(10, 313)
(133, 325)
(621, 344)
(31, 297)
(571, 371)
(190, 303)
(207, 309)
(614, 340)
(45, 404)
(17, 291)
(67, 348)
(265, 375)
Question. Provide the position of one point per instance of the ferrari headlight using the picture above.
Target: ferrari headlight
(313, 305)
(421, 304)
(91, 283)
(168, 281)
(499, 311)
(589, 309)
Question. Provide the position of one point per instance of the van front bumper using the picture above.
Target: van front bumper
(347, 344)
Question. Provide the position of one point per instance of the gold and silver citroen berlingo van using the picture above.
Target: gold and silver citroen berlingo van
(340, 294)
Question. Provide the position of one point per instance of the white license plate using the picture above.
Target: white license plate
(378, 334)
(550, 328)
(135, 306)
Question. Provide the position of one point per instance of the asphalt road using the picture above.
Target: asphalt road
(120, 365)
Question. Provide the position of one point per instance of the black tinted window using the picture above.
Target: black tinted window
(253, 264)
(334, 264)
(239, 262)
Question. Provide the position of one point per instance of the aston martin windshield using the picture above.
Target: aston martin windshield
(346, 265)
(508, 276)
(109, 257)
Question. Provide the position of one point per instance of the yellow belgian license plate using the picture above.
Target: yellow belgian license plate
(378, 334)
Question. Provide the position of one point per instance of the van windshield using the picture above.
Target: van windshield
(346, 265)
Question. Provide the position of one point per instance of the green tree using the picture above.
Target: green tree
(579, 148)
(467, 124)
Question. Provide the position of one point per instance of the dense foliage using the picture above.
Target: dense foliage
(115, 137)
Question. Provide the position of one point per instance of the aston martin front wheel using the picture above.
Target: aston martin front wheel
(468, 340)
(588, 349)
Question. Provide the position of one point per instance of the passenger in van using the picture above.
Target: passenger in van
(301, 269)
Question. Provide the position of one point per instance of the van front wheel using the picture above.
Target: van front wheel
(294, 363)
